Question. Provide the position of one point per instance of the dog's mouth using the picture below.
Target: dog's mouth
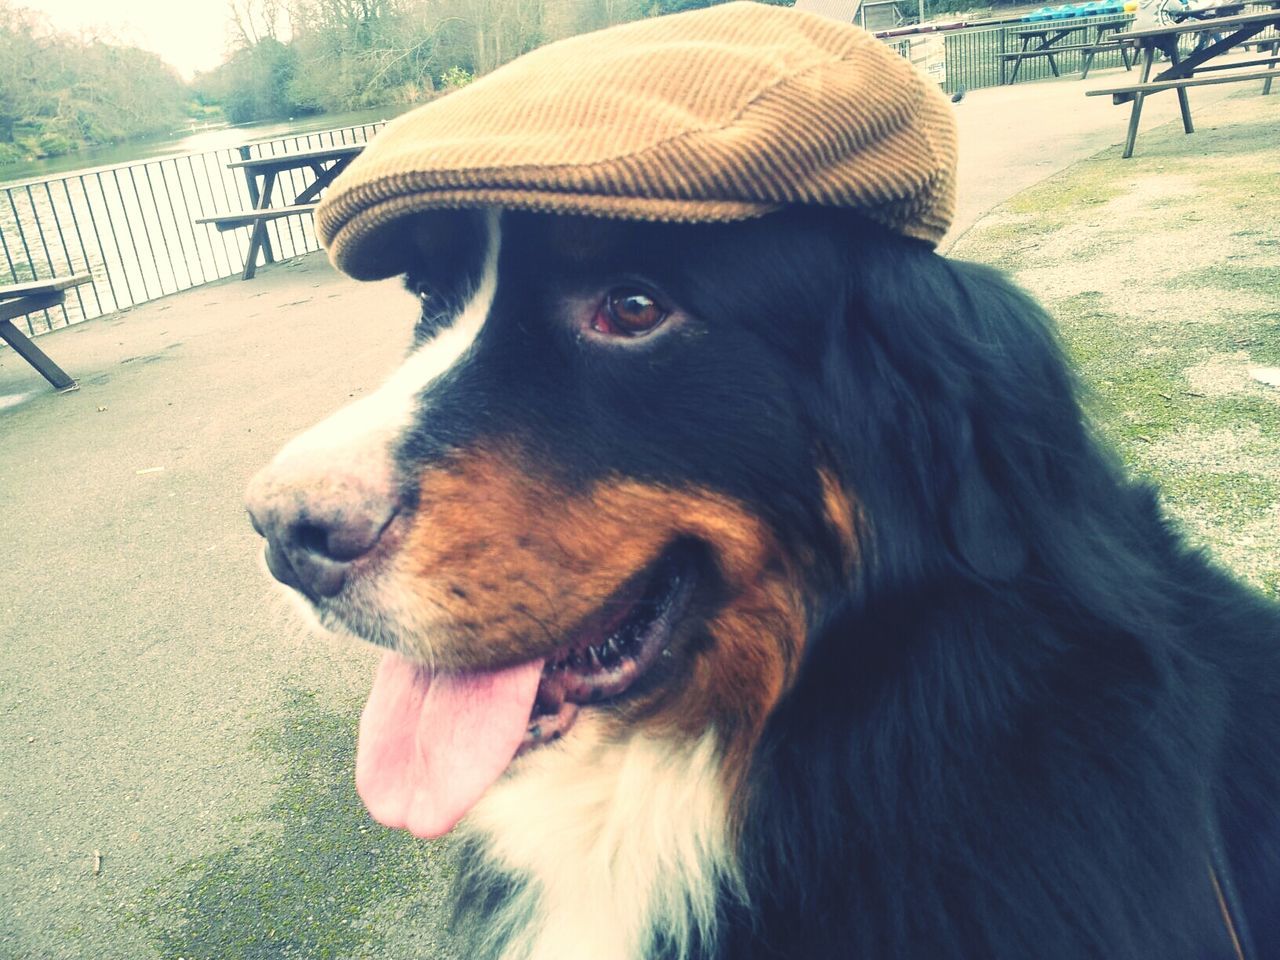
(611, 655)
(430, 745)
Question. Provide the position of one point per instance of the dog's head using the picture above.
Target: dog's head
(626, 469)
(591, 488)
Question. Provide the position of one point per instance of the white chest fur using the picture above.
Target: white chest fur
(619, 841)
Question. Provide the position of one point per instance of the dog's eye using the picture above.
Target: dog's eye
(433, 312)
(428, 301)
(628, 312)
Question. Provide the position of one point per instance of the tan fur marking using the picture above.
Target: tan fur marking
(842, 514)
(533, 563)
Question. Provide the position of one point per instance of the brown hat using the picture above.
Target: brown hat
(719, 114)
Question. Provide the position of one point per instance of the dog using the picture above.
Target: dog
(761, 590)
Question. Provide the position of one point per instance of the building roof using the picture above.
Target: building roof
(846, 11)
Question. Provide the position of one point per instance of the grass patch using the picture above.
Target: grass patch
(1247, 185)
(1231, 278)
(1238, 498)
(1137, 372)
(1064, 196)
(303, 886)
(1171, 324)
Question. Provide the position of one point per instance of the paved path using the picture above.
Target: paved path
(1013, 137)
(147, 672)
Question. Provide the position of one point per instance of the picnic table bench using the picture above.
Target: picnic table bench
(1265, 45)
(325, 164)
(20, 299)
(1195, 69)
(1049, 45)
(1091, 50)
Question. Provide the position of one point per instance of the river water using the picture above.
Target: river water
(193, 141)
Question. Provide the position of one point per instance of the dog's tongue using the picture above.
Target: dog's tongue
(430, 746)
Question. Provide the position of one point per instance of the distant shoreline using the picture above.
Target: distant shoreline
(182, 142)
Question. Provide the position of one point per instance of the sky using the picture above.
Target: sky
(189, 34)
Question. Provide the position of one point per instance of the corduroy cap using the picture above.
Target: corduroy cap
(719, 114)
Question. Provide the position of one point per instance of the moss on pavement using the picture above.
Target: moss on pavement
(314, 883)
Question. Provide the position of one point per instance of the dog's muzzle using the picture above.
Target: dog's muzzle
(319, 515)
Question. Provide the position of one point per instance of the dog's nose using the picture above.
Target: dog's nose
(317, 519)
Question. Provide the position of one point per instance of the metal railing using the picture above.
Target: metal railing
(973, 55)
(132, 226)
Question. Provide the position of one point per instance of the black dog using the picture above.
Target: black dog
(760, 591)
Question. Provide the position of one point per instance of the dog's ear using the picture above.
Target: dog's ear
(1018, 423)
(982, 529)
(955, 411)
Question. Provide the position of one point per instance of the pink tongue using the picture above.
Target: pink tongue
(429, 746)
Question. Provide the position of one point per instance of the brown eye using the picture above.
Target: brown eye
(628, 312)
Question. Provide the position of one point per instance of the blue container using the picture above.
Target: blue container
(1044, 13)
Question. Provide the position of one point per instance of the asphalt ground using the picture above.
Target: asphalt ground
(175, 750)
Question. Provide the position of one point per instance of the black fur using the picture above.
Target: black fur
(1019, 726)
(1013, 737)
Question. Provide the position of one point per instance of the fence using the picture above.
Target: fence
(132, 226)
(973, 55)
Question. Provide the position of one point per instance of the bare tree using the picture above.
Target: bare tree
(502, 29)
(253, 21)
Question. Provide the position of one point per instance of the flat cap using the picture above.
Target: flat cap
(719, 114)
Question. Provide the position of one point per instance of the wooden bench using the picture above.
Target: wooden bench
(1266, 44)
(325, 164)
(1091, 50)
(1048, 38)
(1105, 45)
(258, 220)
(1226, 73)
(1201, 67)
(20, 299)
(1126, 94)
(249, 218)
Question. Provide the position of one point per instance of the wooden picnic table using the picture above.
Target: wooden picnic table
(325, 164)
(1048, 38)
(1197, 68)
(20, 299)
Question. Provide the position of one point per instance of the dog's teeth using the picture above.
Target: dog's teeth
(595, 657)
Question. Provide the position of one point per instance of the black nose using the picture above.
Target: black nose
(317, 522)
